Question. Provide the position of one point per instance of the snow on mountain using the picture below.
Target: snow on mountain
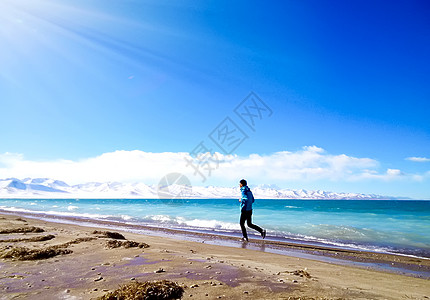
(12, 187)
(50, 188)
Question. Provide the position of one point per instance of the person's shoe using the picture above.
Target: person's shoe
(263, 234)
(244, 239)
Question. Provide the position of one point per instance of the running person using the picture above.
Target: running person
(246, 211)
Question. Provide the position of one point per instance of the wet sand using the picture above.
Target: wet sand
(207, 266)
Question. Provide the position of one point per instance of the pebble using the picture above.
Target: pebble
(105, 290)
(159, 271)
(194, 286)
(67, 291)
(295, 281)
(245, 292)
(95, 290)
(206, 295)
(217, 272)
(98, 279)
(132, 278)
(93, 269)
(213, 284)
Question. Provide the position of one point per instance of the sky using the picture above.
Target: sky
(329, 95)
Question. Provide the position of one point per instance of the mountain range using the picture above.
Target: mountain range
(51, 188)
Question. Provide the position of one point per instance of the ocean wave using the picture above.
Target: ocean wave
(192, 223)
(127, 217)
(56, 213)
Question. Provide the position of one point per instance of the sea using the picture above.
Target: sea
(385, 226)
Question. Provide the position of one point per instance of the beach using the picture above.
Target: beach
(92, 263)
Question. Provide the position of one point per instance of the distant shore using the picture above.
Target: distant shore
(216, 266)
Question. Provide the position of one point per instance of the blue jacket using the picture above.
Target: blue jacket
(247, 199)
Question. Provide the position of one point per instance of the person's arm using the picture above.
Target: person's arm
(244, 196)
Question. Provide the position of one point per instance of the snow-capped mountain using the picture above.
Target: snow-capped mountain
(50, 188)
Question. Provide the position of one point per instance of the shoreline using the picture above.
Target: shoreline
(207, 271)
(388, 262)
(293, 242)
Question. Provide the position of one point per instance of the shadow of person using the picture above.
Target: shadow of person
(263, 246)
(244, 245)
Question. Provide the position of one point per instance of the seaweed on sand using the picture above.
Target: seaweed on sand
(301, 273)
(75, 241)
(149, 290)
(126, 244)
(22, 253)
(110, 234)
(32, 239)
(22, 230)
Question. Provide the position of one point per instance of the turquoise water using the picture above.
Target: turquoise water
(383, 226)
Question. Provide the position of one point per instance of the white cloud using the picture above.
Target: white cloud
(309, 164)
(418, 159)
(394, 172)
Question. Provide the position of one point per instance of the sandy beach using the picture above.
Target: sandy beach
(89, 262)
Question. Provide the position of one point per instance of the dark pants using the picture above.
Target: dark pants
(246, 215)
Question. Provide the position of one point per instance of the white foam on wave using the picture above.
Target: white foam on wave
(72, 208)
(127, 217)
(56, 213)
(160, 218)
(194, 223)
(212, 224)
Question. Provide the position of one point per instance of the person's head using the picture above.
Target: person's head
(243, 183)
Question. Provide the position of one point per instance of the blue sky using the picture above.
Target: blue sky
(79, 79)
